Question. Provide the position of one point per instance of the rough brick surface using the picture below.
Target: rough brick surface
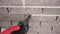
(51, 3)
(44, 30)
(33, 2)
(3, 10)
(47, 23)
(53, 11)
(5, 23)
(10, 2)
(5, 17)
(16, 17)
(42, 18)
(13, 17)
(34, 27)
(50, 24)
(56, 29)
(25, 11)
(33, 10)
(34, 24)
(42, 3)
(58, 19)
(32, 33)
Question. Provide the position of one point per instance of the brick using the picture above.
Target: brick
(55, 33)
(16, 10)
(51, 11)
(49, 23)
(51, 3)
(31, 33)
(16, 18)
(56, 30)
(5, 23)
(58, 19)
(34, 2)
(33, 30)
(34, 27)
(44, 33)
(5, 17)
(44, 30)
(3, 10)
(33, 10)
(42, 18)
(10, 2)
(46, 26)
(13, 17)
(34, 24)
(25, 10)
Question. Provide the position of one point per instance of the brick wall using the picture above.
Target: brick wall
(45, 15)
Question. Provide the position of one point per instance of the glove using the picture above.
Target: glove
(11, 29)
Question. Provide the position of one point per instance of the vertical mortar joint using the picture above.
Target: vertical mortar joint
(7, 9)
(51, 28)
(11, 22)
(56, 17)
(37, 32)
(42, 10)
(40, 23)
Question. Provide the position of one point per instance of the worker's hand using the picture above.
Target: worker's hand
(11, 29)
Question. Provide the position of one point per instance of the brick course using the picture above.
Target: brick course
(46, 22)
(11, 2)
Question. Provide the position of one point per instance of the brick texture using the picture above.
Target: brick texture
(51, 11)
(33, 2)
(47, 27)
(3, 10)
(46, 20)
(51, 3)
(10, 2)
(42, 18)
(58, 19)
(5, 17)
(42, 2)
(25, 10)
(5, 23)
(16, 17)
(34, 27)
